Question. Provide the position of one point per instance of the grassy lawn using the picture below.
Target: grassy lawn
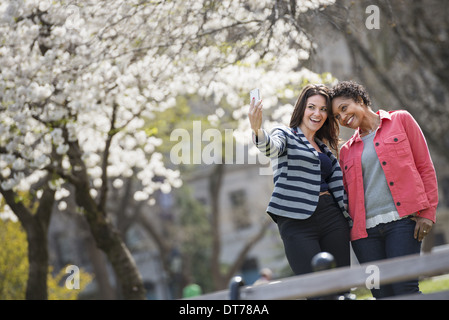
(429, 285)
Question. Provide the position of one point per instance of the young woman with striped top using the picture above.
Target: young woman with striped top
(308, 200)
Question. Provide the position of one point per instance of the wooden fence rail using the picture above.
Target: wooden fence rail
(332, 281)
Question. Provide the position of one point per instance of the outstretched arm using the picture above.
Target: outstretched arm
(273, 144)
(255, 118)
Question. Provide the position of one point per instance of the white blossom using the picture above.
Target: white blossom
(18, 164)
(126, 60)
(62, 205)
(61, 193)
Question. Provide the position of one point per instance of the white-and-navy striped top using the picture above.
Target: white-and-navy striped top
(297, 173)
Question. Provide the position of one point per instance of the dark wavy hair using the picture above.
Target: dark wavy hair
(351, 90)
(330, 130)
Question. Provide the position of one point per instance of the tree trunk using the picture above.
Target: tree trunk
(98, 260)
(215, 183)
(38, 261)
(251, 242)
(36, 227)
(108, 239)
(105, 234)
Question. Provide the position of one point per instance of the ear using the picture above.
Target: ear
(360, 100)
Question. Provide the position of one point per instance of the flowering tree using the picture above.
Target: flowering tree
(79, 80)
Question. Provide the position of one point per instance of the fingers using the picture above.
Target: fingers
(258, 108)
(421, 234)
(422, 228)
(424, 231)
(255, 114)
(255, 104)
(416, 233)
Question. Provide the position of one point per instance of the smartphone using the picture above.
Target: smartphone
(255, 93)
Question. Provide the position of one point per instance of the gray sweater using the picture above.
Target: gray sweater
(379, 204)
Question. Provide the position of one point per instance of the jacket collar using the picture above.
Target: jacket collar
(384, 115)
(298, 132)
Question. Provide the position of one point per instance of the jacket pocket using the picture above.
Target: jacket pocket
(397, 144)
(349, 171)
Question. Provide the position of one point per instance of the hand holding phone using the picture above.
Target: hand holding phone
(255, 93)
(255, 111)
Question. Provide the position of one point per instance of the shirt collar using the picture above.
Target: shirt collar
(383, 115)
(301, 135)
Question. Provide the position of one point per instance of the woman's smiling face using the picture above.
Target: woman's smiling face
(315, 113)
(348, 112)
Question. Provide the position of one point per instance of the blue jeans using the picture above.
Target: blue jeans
(389, 240)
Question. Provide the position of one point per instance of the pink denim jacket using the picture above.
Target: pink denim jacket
(408, 167)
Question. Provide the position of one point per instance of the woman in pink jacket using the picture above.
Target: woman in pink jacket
(389, 178)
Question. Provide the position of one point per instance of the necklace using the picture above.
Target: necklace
(371, 130)
(367, 132)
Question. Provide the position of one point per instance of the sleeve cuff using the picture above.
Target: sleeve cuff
(259, 140)
(429, 213)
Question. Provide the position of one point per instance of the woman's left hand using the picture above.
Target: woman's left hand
(422, 228)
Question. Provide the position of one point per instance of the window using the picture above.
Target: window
(240, 214)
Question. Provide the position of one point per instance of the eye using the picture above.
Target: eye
(323, 108)
(337, 116)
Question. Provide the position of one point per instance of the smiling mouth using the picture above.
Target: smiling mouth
(315, 120)
(348, 123)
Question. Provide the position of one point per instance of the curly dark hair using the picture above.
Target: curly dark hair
(351, 90)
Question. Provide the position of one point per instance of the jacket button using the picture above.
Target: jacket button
(398, 204)
(384, 163)
(346, 167)
(391, 183)
(377, 144)
(395, 139)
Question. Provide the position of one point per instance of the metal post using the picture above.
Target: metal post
(234, 288)
(325, 261)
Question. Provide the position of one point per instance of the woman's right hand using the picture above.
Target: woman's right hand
(255, 115)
